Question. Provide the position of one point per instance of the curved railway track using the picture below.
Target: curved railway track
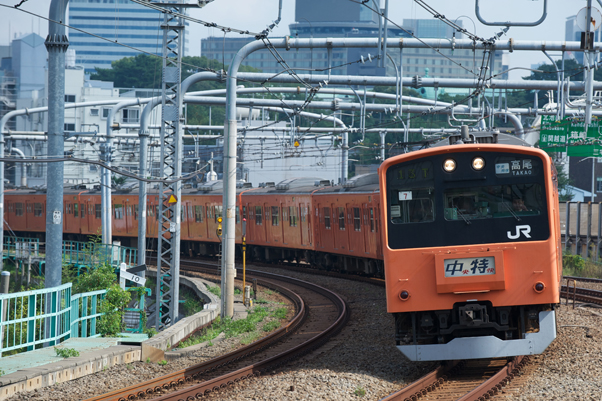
(320, 314)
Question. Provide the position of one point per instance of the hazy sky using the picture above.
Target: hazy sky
(255, 15)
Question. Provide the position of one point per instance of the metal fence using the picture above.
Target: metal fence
(50, 315)
(581, 227)
(91, 254)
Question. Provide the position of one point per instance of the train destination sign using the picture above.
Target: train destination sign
(466, 267)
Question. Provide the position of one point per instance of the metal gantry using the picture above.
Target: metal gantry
(168, 247)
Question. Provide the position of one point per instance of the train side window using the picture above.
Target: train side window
(183, 213)
(29, 208)
(118, 212)
(327, 218)
(76, 210)
(293, 216)
(258, 216)
(18, 209)
(244, 212)
(357, 222)
(37, 209)
(217, 212)
(372, 220)
(237, 215)
(82, 208)
(198, 214)
(136, 212)
(98, 210)
(275, 215)
(341, 218)
(190, 212)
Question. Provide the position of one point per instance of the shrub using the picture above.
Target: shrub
(111, 323)
(573, 262)
(66, 352)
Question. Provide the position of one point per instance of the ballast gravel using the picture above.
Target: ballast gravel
(362, 362)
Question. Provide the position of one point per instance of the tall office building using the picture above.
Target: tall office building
(342, 18)
(118, 20)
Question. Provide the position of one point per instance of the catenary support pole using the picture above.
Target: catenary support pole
(56, 44)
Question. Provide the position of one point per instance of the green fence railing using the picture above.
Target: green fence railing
(86, 254)
(49, 315)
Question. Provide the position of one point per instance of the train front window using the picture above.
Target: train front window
(496, 201)
(412, 205)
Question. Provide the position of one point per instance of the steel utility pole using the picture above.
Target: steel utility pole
(168, 247)
(56, 44)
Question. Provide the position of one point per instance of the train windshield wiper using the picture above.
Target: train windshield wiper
(511, 211)
(463, 217)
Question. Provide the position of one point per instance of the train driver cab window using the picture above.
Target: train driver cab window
(413, 206)
(496, 201)
(411, 193)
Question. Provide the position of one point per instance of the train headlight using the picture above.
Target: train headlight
(539, 287)
(404, 295)
(478, 163)
(449, 165)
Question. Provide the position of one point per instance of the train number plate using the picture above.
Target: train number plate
(469, 267)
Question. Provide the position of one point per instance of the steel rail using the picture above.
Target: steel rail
(269, 364)
(195, 372)
(192, 372)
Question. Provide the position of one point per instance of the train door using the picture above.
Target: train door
(366, 228)
(304, 226)
(285, 222)
(351, 233)
(83, 218)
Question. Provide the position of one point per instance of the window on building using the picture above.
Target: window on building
(105, 112)
(69, 126)
(198, 214)
(258, 216)
(357, 222)
(118, 212)
(37, 209)
(69, 98)
(130, 115)
(97, 211)
(341, 218)
(598, 184)
(327, 218)
(275, 215)
(94, 112)
(18, 209)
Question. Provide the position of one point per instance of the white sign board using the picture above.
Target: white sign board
(132, 277)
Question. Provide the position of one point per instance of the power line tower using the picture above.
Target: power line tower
(168, 247)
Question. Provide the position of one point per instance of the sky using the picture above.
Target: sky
(256, 15)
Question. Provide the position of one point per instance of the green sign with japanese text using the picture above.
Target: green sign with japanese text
(569, 135)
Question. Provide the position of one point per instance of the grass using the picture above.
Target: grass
(162, 363)
(229, 328)
(575, 265)
(273, 325)
(359, 392)
(215, 290)
(66, 352)
(280, 313)
(192, 304)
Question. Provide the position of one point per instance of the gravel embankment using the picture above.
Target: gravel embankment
(363, 363)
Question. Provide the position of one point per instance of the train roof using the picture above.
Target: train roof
(365, 183)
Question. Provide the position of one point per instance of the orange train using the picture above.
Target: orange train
(472, 250)
(470, 272)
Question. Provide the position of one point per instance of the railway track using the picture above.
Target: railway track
(320, 314)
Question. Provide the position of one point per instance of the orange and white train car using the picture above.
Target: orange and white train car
(472, 253)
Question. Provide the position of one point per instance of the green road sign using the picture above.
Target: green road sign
(568, 134)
